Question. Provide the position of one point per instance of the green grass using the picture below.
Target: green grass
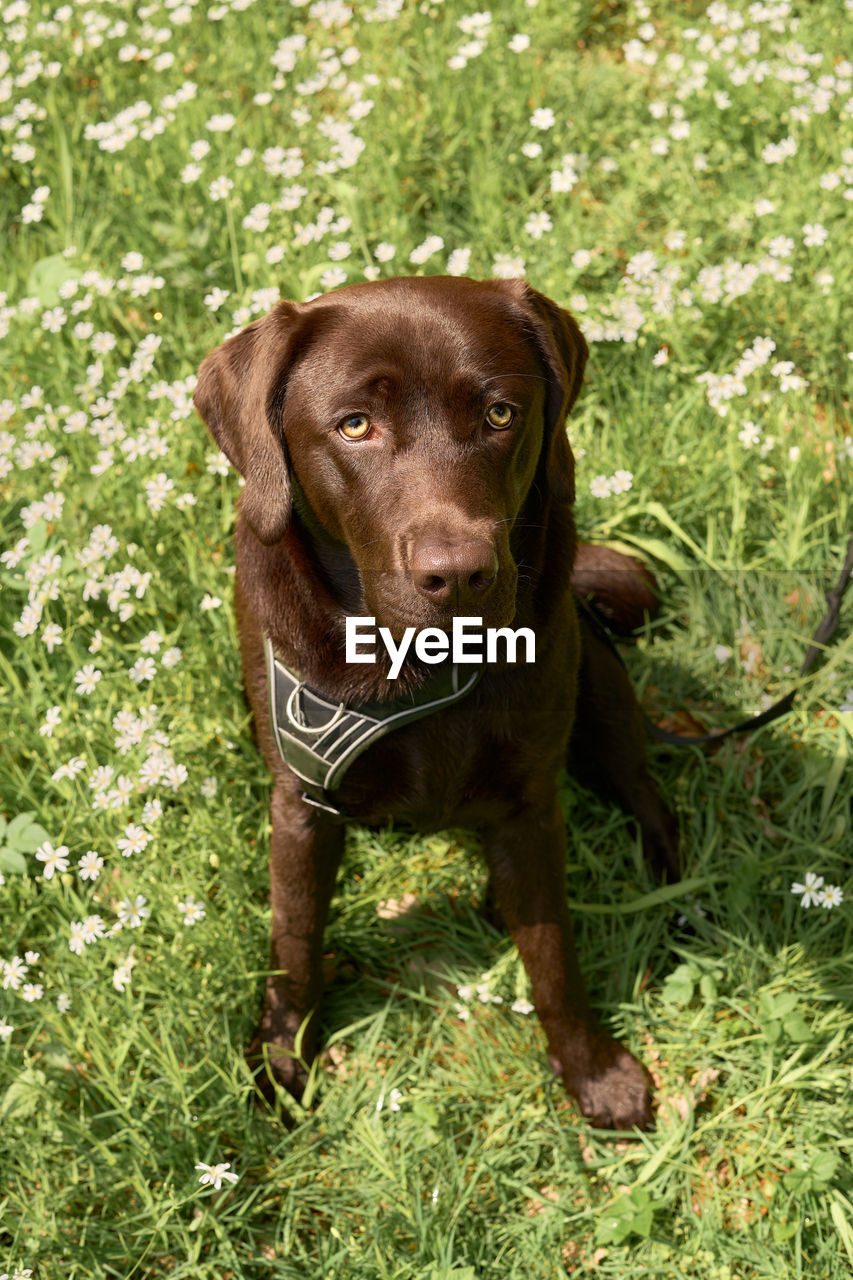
(124, 1068)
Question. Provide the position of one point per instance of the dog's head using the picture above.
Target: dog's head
(413, 417)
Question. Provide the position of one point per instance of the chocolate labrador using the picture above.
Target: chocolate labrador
(405, 461)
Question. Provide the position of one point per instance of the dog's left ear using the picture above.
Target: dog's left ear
(240, 399)
(564, 349)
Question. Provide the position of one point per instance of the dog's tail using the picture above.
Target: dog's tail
(621, 590)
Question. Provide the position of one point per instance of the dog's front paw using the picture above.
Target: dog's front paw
(612, 1089)
(274, 1064)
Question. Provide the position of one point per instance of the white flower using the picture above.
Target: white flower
(423, 251)
(213, 1175)
(258, 218)
(507, 267)
(543, 118)
(334, 277)
(14, 972)
(749, 434)
(52, 717)
(122, 974)
(89, 866)
(133, 841)
(191, 910)
(599, 487)
(810, 891)
(519, 43)
(215, 298)
(143, 669)
(53, 859)
(522, 1006)
(210, 602)
(458, 262)
(133, 913)
(220, 187)
(621, 482)
(87, 678)
(537, 224)
(52, 636)
(814, 234)
(831, 896)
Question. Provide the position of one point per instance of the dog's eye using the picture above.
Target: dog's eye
(355, 427)
(500, 416)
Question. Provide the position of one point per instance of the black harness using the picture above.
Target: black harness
(319, 739)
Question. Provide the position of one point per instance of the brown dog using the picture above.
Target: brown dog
(405, 458)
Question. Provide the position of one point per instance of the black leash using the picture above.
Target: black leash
(825, 630)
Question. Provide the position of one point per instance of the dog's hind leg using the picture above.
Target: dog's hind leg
(607, 751)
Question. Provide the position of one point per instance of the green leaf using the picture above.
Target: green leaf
(678, 986)
(785, 1229)
(778, 1005)
(772, 1031)
(823, 1168)
(37, 536)
(797, 1029)
(13, 862)
(708, 987)
(46, 277)
(24, 834)
(24, 1096)
(425, 1111)
(817, 1175)
(632, 1214)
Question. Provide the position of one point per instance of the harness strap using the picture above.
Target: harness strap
(319, 740)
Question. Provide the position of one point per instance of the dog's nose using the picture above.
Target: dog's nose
(456, 575)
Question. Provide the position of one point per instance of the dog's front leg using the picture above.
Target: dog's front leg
(526, 858)
(305, 853)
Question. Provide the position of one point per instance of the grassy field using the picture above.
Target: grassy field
(679, 178)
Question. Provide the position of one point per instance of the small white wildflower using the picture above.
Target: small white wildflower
(54, 859)
(831, 896)
(191, 910)
(52, 717)
(213, 1175)
(543, 118)
(810, 891)
(90, 865)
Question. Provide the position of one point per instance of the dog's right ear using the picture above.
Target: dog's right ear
(240, 397)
